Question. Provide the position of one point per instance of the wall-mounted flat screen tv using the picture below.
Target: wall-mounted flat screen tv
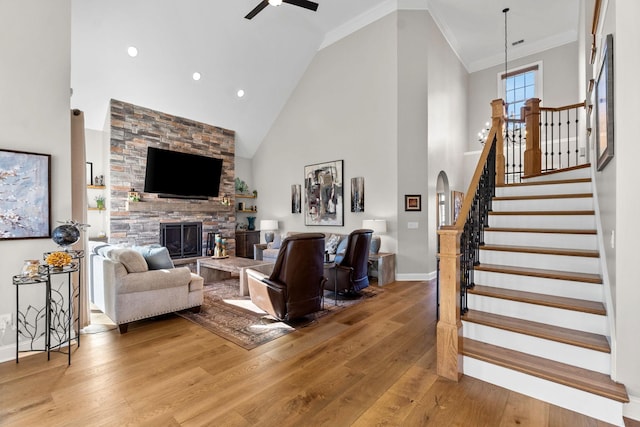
(182, 175)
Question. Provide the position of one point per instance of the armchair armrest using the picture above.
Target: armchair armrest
(266, 294)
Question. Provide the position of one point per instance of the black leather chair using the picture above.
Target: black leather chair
(351, 273)
(295, 287)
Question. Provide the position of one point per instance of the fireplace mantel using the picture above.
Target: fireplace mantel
(180, 206)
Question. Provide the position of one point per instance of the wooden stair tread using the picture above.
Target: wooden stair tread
(537, 272)
(574, 304)
(544, 196)
(540, 230)
(571, 376)
(540, 330)
(556, 171)
(544, 251)
(579, 212)
(558, 181)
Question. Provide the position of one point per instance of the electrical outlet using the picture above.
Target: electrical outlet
(5, 320)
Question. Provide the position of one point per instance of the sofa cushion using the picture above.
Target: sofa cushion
(331, 244)
(131, 259)
(156, 279)
(156, 256)
(277, 242)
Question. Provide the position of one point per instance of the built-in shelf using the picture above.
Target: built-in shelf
(247, 210)
(97, 187)
(95, 209)
(245, 196)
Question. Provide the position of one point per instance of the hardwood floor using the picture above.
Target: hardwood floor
(373, 364)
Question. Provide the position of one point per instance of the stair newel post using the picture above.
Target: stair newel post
(497, 122)
(532, 153)
(449, 328)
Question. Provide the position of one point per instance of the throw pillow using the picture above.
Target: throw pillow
(331, 244)
(156, 256)
(132, 260)
(277, 241)
(340, 250)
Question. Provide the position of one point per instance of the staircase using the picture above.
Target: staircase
(537, 323)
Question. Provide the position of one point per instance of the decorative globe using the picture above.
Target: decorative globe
(66, 235)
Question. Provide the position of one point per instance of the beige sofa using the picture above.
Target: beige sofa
(332, 242)
(126, 289)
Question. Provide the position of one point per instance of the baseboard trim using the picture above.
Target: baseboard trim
(632, 409)
(413, 277)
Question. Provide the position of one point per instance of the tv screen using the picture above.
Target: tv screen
(182, 175)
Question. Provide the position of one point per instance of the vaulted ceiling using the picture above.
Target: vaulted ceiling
(265, 56)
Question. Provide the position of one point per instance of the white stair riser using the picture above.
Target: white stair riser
(586, 322)
(556, 222)
(572, 174)
(560, 352)
(575, 264)
(542, 240)
(543, 189)
(594, 406)
(565, 204)
(560, 288)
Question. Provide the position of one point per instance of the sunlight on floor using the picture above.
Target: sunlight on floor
(245, 304)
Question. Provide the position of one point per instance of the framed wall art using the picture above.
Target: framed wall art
(296, 199)
(357, 194)
(25, 199)
(457, 197)
(413, 202)
(323, 194)
(604, 107)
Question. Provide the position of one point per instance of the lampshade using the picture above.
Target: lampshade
(268, 224)
(377, 225)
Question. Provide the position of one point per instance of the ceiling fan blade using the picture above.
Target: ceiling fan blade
(257, 9)
(303, 3)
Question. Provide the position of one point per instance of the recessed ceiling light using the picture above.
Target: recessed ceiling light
(196, 76)
(240, 93)
(132, 51)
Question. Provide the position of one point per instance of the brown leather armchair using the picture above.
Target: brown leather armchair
(351, 273)
(295, 287)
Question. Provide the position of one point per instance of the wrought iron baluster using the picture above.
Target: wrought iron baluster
(577, 111)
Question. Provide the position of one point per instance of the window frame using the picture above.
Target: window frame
(535, 66)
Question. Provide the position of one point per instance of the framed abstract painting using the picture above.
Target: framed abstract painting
(323, 194)
(25, 195)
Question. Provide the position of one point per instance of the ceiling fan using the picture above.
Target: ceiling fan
(264, 3)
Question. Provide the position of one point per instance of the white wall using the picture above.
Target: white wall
(627, 152)
(560, 86)
(34, 116)
(344, 108)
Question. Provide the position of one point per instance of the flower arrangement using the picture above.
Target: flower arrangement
(58, 259)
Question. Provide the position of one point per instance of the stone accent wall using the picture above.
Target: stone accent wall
(133, 129)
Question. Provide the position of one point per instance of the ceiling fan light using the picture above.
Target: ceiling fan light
(275, 2)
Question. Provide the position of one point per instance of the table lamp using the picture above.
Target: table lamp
(378, 226)
(268, 226)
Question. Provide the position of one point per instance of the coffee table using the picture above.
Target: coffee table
(211, 269)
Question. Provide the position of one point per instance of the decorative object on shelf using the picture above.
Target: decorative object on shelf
(269, 226)
(25, 201)
(58, 259)
(241, 186)
(604, 106)
(133, 195)
(357, 194)
(251, 220)
(220, 248)
(89, 177)
(324, 194)
(413, 202)
(99, 181)
(240, 206)
(378, 226)
(255, 193)
(30, 268)
(296, 201)
(68, 233)
(100, 202)
(225, 201)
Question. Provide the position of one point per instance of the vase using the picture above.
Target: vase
(65, 235)
(30, 268)
(252, 223)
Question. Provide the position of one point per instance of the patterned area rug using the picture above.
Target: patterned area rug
(235, 318)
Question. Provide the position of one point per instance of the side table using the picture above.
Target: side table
(58, 310)
(383, 266)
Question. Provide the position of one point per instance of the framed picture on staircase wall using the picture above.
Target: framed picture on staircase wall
(604, 106)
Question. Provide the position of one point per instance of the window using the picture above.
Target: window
(518, 85)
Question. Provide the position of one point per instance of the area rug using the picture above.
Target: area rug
(235, 318)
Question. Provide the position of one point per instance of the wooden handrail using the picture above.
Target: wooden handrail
(449, 327)
(564, 108)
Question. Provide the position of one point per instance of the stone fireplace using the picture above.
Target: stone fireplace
(135, 128)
